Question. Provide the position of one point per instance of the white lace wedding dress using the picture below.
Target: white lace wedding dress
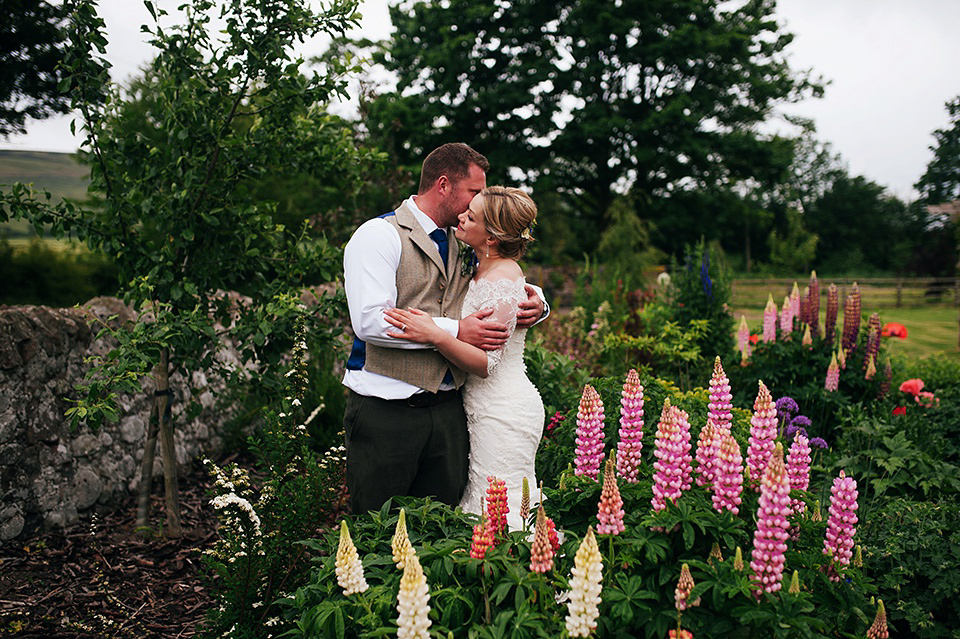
(504, 410)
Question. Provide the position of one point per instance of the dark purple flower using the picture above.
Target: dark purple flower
(819, 442)
(800, 421)
(705, 276)
(791, 429)
(786, 405)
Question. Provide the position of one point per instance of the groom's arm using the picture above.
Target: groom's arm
(370, 262)
(534, 309)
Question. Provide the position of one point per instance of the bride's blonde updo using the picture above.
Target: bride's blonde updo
(508, 215)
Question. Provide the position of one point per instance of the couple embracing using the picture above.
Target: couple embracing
(438, 394)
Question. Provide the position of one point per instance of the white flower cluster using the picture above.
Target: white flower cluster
(413, 601)
(222, 502)
(582, 609)
(348, 567)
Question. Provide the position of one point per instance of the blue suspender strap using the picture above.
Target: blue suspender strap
(358, 353)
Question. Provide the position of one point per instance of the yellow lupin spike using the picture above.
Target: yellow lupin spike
(400, 545)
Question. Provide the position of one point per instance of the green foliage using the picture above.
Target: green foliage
(227, 103)
(912, 548)
(700, 290)
(52, 277)
(793, 251)
(294, 492)
(499, 596)
(941, 181)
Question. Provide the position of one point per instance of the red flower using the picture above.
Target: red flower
(894, 330)
(754, 338)
(900, 410)
(912, 386)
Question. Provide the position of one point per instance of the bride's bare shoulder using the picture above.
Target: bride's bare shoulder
(505, 270)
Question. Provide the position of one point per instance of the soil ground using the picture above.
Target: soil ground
(101, 579)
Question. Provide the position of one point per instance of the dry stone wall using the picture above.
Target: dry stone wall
(51, 474)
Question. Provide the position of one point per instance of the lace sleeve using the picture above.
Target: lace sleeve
(504, 297)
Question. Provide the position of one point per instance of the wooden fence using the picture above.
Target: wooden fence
(878, 292)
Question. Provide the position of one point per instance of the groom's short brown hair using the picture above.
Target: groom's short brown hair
(453, 160)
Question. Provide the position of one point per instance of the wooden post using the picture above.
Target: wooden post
(899, 292)
(146, 472)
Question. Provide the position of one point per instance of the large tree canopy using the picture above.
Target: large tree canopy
(593, 96)
(31, 46)
(941, 182)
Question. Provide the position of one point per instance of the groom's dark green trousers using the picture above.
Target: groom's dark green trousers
(417, 446)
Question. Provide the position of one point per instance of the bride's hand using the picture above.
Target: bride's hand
(413, 324)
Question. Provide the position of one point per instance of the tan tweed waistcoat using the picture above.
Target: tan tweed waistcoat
(422, 283)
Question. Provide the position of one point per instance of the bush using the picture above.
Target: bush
(53, 277)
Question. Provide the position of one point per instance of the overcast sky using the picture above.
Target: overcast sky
(892, 65)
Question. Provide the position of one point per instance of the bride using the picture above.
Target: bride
(504, 411)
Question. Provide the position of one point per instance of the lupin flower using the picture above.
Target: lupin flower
(525, 501)
(497, 507)
(589, 453)
(400, 544)
(631, 428)
(583, 606)
(887, 379)
(807, 338)
(413, 602)
(871, 369)
(770, 537)
(681, 594)
(798, 468)
(813, 303)
(715, 554)
(707, 444)
(805, 306)
(873, 338)
(833, 375)
(738, 560)
(728, 477)
(879, 628)
(482, 537)
(786, 316)
(610, 510)
(851, 319)
(552, 535)
(541, 551)
(348, 567)
(720, 397)
(841, 523)
(816, 516)
(858, 556)
(763, 432)
(680, 633)
(672, 470)
(743, 339)
(770, 320)
(794, 583)
(830, 321)
(795, 301)
(842, 359)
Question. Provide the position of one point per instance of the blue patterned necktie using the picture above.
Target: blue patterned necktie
(439, 236)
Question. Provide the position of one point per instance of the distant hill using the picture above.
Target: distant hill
(59, 173)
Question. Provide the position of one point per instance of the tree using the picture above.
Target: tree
(228, 102)
(857, 223)
(941, 181)
(32, 44)
(792, 252)
(590, 98)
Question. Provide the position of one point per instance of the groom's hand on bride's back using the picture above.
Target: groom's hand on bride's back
(531, 309)
(481, 332)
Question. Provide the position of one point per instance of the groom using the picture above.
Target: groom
(405, 429)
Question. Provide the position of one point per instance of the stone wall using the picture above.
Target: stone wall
(50, 474)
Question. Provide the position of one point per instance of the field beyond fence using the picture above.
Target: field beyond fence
(928, 307)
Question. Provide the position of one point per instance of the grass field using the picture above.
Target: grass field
(59, 173)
